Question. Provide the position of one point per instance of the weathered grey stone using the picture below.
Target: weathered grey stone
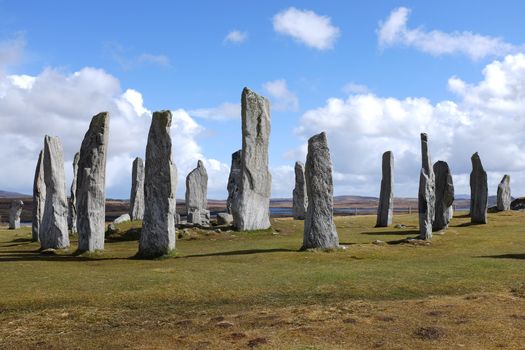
(72, 203)
(251, 207)
(224, 219)
(234, 180)
(91, 185)
(122, 218)
(39, 198)
(426, 193)
(197, 196)
(385, 209)
(444, 195)
(478, 191)
(136, 202)
(319, 228)
(504, 198)
(14, 214)
(300, 198)
(160, 183)
(53, 230)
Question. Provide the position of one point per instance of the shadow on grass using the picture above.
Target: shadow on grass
(462, 216)
(242, 252)
(404, 240)
(394, 233)
(467, 224)
(505, 256)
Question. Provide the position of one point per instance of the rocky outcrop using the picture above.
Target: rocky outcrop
(197, 196)
(160, 183)
(39, 198)
(478, 191)
(53, 230)
(385, 209)
(234, 180)
(91, 185)
(444, 195)
(251, 207)
(319, 228)
(14, 214)
(426, 193)
(300, 198)
(136, 202)
(504, 198)
(72, 203)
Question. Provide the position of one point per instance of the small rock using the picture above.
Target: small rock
(224, 324)
(218, 230)
(378, 242)
(399, 226)
(121, 219)
(224, 219)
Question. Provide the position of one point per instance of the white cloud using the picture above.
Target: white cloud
(353, 88)
(394, 31)
(128, 61)
(282, 98)
(236, 36)
(306, 27)
(225, 111)
(11, 51)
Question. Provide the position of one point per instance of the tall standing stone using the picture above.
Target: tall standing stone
(251, 208)
(234, 180)
(53, 230)
(39, 198)
(385, 209)
(160, 183)
(444, 195)
(136, 202)
(91, 185)
(426, 193)
(72, 204)
(319, 228)
(14, 214)
(300, 198)
(478, 191)
(197, 196)
(504, 198)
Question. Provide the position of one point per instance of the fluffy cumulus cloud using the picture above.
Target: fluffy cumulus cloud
(282, 98)
(306, 27)
(486, 117)
(394, 31)
(236, 37)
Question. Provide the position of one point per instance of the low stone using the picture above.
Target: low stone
(504, 198)
(378, 242)
(399, 226)
(218, 230)
(224, 219)
(518, 204)
(224, 324)
(14, 214)
(121, 219)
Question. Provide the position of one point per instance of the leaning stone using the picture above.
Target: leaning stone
(319, 228)
(300, 198)
(444, 195)
(121, 219)
(385, 210)
(136, 202)
(14, 214)
(426, 193)
(197, 196)
(224, 219)
(72, 203)
(39, 198)
(160, 184)
(53, 231)
(478, 191)
(91, 185)
(251, 208)
(234, 180)
(504, 198)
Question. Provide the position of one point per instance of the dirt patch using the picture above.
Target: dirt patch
(429, 333)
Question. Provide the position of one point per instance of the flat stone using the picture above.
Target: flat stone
(504, 198)
(136, 202)
(478, 191)
(14, 214)
(72, 203)
(426, 193)
(300, 198)
(385, 209)
(39, 198)
(444, 195)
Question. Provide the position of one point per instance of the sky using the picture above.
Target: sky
(372, 75)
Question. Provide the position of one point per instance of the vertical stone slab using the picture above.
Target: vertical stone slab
(426, 193)
(197, 196)
(14, 214)
(251, 208)
(39, 198)
(53, 231)
(136, 202)
(72, 203)
(300, 198)
(91, 185)
(319, 228)
(444, 195)
(504, 198)
(160, 183)
(234, 180)
(385, 209)
(478, 191)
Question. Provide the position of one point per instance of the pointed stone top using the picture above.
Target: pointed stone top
(138, 160)
(76, 157)
(299, 164)
(248, 93)
(318, 138)
(100, 120)
(200, 164)
(163, 118)
(506, 178)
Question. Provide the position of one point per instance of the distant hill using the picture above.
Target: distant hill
(7, 194)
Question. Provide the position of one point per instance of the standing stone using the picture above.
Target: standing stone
(197, 196)
(136, 203)
(444, 195)
(426, 193)
(385, 209)
(319, 228)
(504, 197)
(72, 204)
(160, 183)
(251, 208)
(478, 191)
(300, 198)
(14, 214)
(234, 180)
(53, 230)
(91, 185)
(39, 198)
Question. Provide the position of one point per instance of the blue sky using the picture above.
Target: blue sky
(176, 55)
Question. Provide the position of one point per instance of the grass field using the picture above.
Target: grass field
(234, 290)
